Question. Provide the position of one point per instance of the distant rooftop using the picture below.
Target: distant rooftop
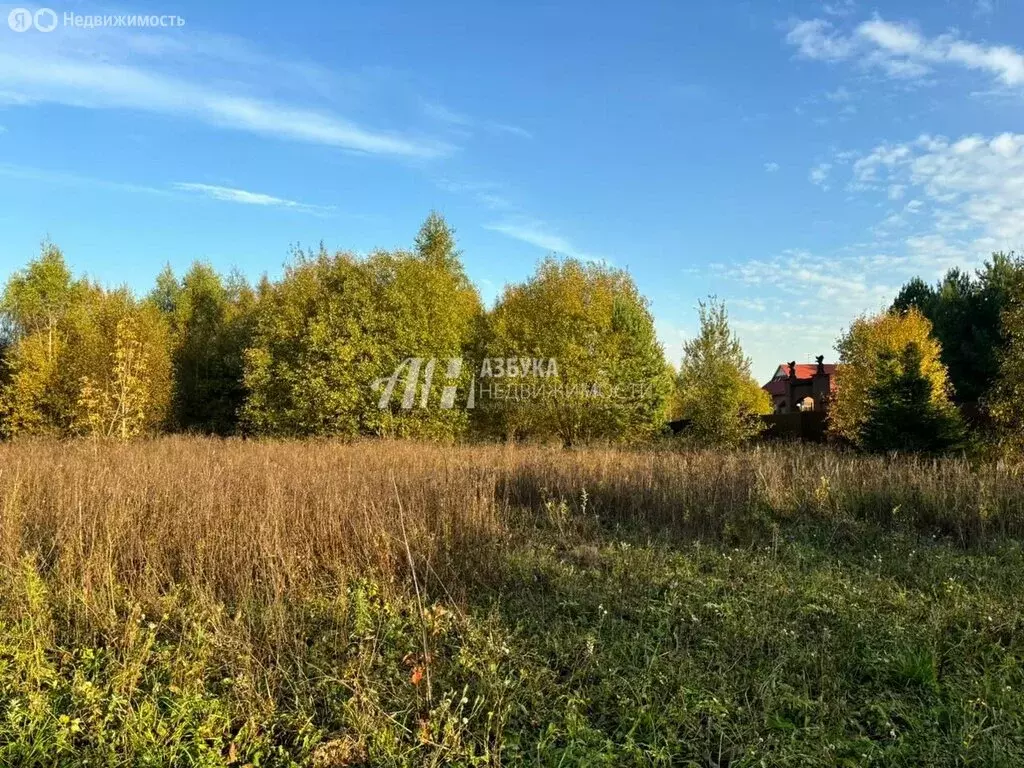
(777, 386)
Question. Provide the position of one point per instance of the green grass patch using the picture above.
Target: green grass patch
(811, 647)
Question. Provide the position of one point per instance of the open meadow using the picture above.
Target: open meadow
(200, 602)
(512, 384)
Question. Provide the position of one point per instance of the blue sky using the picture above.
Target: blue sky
(798, 159)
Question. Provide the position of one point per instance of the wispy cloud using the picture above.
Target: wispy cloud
(517, 223)
(42, 175)
(839, 7)
(94, 73)
(817, 39)
(537, 234)
(840, 94)
(490, 195)
(771, 167)
(244, 197)
(514, 130)
(804, 285)
(900, 51)
(212, 191)
(753, 305)
(443, 114)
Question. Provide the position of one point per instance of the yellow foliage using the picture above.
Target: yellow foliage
(861, 349)
(119, 408)
(103, 369)
(593, 321)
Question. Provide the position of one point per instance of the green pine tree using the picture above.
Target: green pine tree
(902, 414)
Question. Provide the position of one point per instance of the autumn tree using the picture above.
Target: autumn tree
(902, 413)
(122, 401)
(966, 312)
(5, 349)
(81, 359)
(716, 394)
(1007, 402)
(872, 348)
(118, 365)
(210, 321)
(610, 381)
(38, 297)
(30, 401)
(337, 325)
(437, 315)
(34, 306)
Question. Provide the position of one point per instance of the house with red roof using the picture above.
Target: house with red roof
(799, 387)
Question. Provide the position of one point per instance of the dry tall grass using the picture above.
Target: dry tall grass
(242, 520)
(189, 601)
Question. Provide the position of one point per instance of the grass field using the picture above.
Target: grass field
(194, 602)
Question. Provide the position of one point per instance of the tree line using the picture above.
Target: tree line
(942, 369)
(299, 357)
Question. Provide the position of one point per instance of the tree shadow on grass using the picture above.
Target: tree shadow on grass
(700, 652)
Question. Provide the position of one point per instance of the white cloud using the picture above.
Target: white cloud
(810, 300)
(839, 7)
(490, 195)
(442, 114)
(974, 188)
(840, 94)
(159, 74)
(819, 174)
(817, 39)
(212, 191)
(866, 168)
(897, 39)
(753, 305)
(945, 202)
(514, 130)
(537, 234)
(771, 167)
(901, 51)
(244, 197)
